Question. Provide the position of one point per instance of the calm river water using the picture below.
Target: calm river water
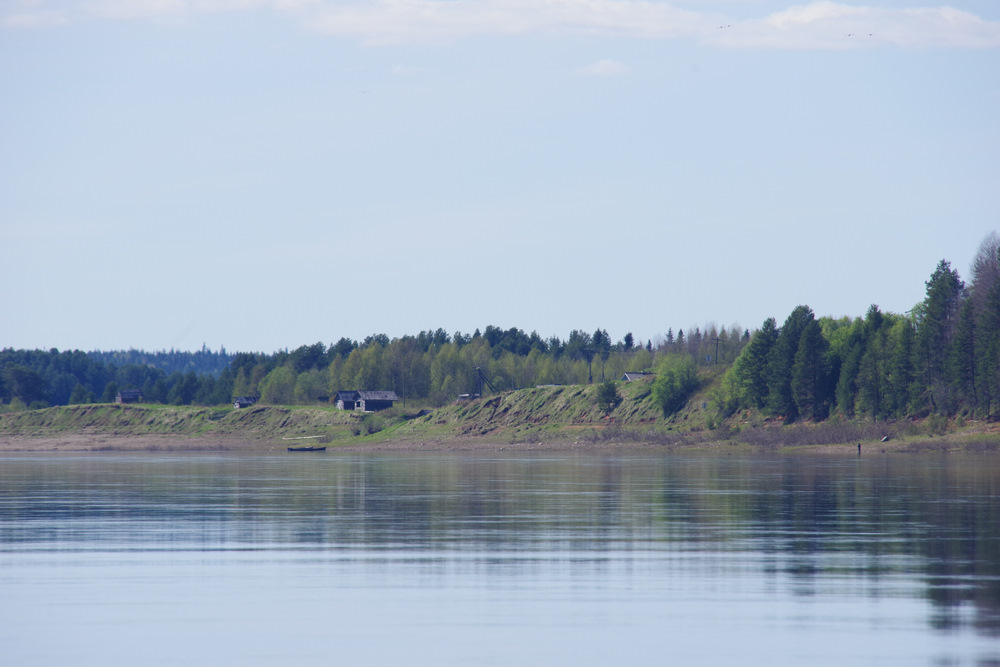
(499, 559)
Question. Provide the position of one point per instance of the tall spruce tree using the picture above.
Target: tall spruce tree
(936, 320)
(901, 383)
(810, 373)
(853, 349)
(988, 360)
(750, 369)
(961, 361)
(780, 360)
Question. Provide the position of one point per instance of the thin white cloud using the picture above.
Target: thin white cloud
(30, 14)
(833, 25)
(125, 10)
(822, 24)
(605, 68)
(394, 21)
(34, 19)
(405, 70)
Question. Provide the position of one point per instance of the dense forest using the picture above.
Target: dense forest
(942, 357)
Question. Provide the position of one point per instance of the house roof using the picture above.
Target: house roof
(378, 395)
(348, 395)
(631, 377)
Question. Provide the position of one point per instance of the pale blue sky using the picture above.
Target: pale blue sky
(266, 174)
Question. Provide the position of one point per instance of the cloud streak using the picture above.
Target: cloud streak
(822, 24)
(605, 68)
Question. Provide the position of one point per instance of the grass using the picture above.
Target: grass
(541, 414)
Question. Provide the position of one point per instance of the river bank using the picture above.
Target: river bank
(531, 420)
(99, 442)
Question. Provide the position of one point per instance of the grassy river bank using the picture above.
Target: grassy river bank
(545, 418)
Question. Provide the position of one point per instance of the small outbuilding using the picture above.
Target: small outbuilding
(366, 401)
(129, 396)
(346, 400)
(244, 401)
(372, 401)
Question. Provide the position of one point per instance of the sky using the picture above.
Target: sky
(264, 174)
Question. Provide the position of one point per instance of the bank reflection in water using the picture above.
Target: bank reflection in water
(880, 526)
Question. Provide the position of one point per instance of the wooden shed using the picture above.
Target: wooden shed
(129, 396)
(244, 401)
(346, 400)
(372, 401)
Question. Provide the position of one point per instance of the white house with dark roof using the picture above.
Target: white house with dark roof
(365, 401)
(371, 401)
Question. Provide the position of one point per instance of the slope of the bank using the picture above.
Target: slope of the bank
(540, 417)
(86, 426)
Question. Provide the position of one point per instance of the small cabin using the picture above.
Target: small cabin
(365, 401)
(635, 377)
(244, 401)
(129, 396)
(346, 400)
(373, 401)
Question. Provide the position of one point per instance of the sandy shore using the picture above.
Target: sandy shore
(95, 442)
(172, 443)
(80, 442)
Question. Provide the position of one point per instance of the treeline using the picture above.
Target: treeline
(432, 366)
(435, 366)
(37, 379)
(201, 362)
(941, 358)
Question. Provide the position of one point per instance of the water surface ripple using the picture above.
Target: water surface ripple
(498, 559)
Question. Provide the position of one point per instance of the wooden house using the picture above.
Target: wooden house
(346, 400)
(365, 401)
(129, 396)
(372, 401)
(244, 401)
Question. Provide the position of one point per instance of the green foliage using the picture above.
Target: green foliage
(727, 396)
(110, 391)
(810, 382)
(278, 387)
(749, 372)
(988, 358)
(608, 397)
(24, 383)
(936, 317)
(184, 390)
(944, 358)
(81, 395)
(372, 423)
(676, 379)
(780, 362)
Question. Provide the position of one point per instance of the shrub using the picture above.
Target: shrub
(676, 379)
(608, 397)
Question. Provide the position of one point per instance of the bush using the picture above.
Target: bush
(372, 423)
(608, 397)
(676, 379)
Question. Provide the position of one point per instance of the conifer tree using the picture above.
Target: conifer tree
(901, 383)
(750, 367)
(988, 361)
(961, 361)
(936, 319)
(810, 373)
(780, 361)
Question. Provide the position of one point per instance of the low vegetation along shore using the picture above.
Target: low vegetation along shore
(544, 418)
